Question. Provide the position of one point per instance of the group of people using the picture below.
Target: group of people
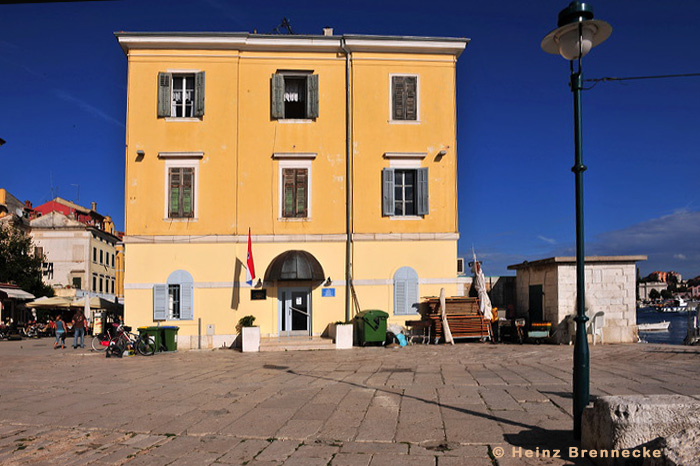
(79, 326)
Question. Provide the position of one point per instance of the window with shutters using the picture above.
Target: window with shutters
(295, 192)
(405, 291)
(181, 192)
(404, 97)
(294, 95)
(174, 300)
(181, 95)
(405, 192)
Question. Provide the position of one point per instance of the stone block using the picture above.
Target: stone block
(616, 423)
(250, 339)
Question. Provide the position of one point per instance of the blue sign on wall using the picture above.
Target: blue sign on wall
(328, 292)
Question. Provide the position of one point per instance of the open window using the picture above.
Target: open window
(294, 95)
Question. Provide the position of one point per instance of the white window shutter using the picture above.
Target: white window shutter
(388, 191)
(164, 94)
(160, 302)
(187, 301)
(422, 197)
(405, 291)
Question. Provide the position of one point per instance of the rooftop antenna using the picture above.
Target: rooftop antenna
(283, 25)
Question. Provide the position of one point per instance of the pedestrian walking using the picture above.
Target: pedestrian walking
(61, 330)
(79, 324)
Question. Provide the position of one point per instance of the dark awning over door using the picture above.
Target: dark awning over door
(294, 266)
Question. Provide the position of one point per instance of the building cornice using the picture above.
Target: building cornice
(208, 239)
(289, 43)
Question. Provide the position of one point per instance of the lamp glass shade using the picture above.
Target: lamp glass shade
(571, 44)
(564, 41)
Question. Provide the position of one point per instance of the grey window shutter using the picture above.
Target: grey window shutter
(277, 96)
(160, 302)
(399, 297)
(422, 197)
(405, 291)
(388, 191)
(397, 91)
(164, 95)
(411, 100)
(199, 94)
(412, 294)
(187, 301)
(312, 96)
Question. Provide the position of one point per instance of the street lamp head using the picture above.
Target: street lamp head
(577, 33)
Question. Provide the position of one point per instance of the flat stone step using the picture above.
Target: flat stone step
(303, 343)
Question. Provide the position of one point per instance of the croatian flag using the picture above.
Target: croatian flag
(250, 272)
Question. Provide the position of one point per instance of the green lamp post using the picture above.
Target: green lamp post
(576, 35)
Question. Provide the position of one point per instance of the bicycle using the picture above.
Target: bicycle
(145, 346)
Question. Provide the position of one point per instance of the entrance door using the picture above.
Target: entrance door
(295, 311)
(536, 313)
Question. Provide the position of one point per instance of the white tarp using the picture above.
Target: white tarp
(445, 325)
(480, 286)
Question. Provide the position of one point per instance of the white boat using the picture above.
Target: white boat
(678, 305)
(654, 326)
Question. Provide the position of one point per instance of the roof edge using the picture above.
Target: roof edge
(572, 260)
(246, 41)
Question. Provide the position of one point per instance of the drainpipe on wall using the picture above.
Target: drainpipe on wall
(348, 184)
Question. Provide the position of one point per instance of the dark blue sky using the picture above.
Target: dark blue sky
(63, 78)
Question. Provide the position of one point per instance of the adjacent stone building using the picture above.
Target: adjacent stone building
(546, 291)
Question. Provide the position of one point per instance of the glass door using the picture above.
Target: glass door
(295, 311)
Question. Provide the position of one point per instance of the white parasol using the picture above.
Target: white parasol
(445, 325)
(86, 309)
(480, 286)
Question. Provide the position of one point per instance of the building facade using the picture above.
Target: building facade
(78, 258)
(337, 154)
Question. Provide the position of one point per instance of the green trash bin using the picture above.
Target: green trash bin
(370, 326)
(153, 332)
(170, 337)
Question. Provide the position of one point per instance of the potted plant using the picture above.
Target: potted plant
(250, 334)
(342, 334)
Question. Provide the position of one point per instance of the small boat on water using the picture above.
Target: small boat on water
(654, 326)
(677, 305)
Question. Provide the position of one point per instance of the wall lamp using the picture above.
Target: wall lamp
(140, 153)
(328, 282)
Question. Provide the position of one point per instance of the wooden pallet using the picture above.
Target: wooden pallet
(463, 317)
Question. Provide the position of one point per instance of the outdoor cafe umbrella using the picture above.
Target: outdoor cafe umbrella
(87, 308)
(50, 303)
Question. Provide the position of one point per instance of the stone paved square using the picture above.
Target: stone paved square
(418, 405)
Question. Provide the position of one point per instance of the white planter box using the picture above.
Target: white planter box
(343, 336)
(250, 337)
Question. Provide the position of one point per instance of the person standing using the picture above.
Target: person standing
(60, 333)
(79, 324)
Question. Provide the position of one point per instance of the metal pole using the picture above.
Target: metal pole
(581, 353)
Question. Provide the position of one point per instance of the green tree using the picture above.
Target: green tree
(654, 294)
(19, 265)
(666, 294)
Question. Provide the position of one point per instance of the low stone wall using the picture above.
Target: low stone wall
(664, 427)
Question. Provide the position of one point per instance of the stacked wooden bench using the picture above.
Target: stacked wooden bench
(463, 317)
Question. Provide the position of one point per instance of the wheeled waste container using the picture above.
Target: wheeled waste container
(170, 337)
(370, 326)
(153, 332)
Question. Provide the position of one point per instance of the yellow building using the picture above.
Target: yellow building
(231, 133)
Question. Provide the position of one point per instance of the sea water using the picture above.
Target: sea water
(676, 331)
